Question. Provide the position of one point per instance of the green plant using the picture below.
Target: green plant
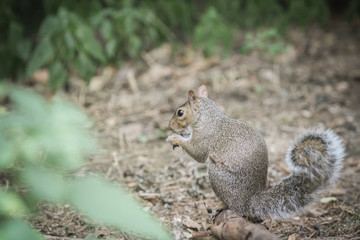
(69, 37)
(260, 13)
(127, 31)
(39, 143)
(268, 40)
(66, 40)
(212, 32)
(302, 12)
(179, 16)
(15, 48)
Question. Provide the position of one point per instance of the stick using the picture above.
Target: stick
(229, 225)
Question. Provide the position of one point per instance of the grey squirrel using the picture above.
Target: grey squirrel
(237, 160)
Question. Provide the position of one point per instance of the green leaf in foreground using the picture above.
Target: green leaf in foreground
(7, 152)
(14, 229)
(48, 133)
(45, 184)
(102, 202)
(11, 204)
(111, 205)
(42, 139)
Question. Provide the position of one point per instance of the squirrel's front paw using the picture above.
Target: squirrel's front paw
(174, 140)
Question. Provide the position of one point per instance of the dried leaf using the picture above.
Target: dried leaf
(293, 236)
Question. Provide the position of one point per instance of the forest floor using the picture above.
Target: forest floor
(316, 83)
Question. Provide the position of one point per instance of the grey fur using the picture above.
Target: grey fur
(237, 160)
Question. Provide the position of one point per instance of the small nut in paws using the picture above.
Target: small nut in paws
(174, 139)
(168, 139)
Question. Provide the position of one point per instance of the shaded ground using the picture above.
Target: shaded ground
(316, 83)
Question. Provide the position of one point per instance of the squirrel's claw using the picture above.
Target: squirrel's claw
(175, 146)
(214, 213)
(218, 209)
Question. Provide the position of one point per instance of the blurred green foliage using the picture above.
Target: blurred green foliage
(212, 32)
(39, 142)
(68, 37)
(268, 40)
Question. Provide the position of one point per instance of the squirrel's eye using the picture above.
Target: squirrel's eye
(180, 112)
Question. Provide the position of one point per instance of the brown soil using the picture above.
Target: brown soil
(314, 84)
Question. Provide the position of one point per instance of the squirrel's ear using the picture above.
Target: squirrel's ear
(202, 91)
(192, 99)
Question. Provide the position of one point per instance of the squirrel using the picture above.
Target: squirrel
(237, 160)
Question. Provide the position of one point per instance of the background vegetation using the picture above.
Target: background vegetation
(76, 38)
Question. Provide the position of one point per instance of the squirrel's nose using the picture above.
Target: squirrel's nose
(172, 125)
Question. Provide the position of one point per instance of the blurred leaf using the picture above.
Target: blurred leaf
(86, 36)
(268, 40)
(51, 133)
(106, 29)
(69, 40)
(65, 17)
(109, 204)
(29, 107)
(134, 45)
(85, 67)
(15, 33)
(110, 48)
(3, 110)
(16, 230)
(212, 33)
(7, 153)
(58, 75)
(50, 137)
(45, 184)
(70, 138)
(43, 53)
(11, 204)
(268, 33)
(49, 26)
(23, 49)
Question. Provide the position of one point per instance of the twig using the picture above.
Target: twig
(229, 224)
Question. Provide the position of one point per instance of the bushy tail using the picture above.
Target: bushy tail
(315, 160)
